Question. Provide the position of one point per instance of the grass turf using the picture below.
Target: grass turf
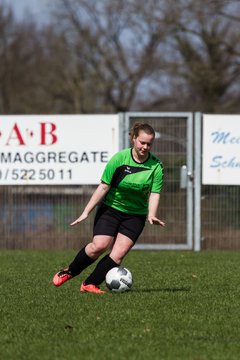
(183, 305)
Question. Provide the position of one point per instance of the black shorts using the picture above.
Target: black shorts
(109, 221)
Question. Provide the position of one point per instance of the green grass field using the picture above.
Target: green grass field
(183, 305)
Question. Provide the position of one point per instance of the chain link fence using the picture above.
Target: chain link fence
(220, 217)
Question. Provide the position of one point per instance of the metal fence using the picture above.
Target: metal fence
(38, 217)
(220, 216)
(172, 144)
(217, 208)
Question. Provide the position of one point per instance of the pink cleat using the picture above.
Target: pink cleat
(91, 288)
(61, 277)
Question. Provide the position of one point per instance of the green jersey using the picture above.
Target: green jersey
(132, 182)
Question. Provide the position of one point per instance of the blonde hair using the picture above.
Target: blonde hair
(137, 127)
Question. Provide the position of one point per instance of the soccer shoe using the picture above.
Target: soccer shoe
(91, 288)
(61, 277)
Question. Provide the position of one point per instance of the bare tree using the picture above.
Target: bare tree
(208, 46)
(111, 56)
(116, 44)
(20, 58)
(6, 31)
(154, 55)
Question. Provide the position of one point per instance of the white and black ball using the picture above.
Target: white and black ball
(119, 279)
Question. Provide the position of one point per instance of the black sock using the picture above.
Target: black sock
(99, 273)
(81, 262)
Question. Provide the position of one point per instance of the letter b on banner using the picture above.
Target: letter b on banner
(47, 133)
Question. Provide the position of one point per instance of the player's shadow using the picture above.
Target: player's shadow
(168, 289)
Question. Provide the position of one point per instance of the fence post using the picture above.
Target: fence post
(197, 179)
(121, 130)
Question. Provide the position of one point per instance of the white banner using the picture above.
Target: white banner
(56, 150)
(221, 150)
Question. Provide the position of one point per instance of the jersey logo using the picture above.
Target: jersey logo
(123, 171)
(128, 170)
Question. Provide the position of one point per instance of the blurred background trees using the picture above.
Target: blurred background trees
(126, 55)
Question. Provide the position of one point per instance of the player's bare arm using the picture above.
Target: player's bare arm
(96, 198)
(154, 200)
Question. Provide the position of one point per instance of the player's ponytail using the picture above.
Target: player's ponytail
(137, 127)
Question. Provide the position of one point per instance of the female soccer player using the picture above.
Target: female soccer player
(128, 194)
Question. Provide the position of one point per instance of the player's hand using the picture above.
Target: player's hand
(153, 220)
(79, 219)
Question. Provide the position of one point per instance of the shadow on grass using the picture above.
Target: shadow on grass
(170, 290)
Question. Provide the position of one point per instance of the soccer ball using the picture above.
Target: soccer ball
(119, 279)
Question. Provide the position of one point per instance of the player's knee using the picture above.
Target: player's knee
(95, 249)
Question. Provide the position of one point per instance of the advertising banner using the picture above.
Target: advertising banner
(221, 150)
(56, 149)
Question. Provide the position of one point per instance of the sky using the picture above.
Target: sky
(36, 8)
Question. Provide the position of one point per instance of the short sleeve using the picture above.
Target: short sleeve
(110, 168)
